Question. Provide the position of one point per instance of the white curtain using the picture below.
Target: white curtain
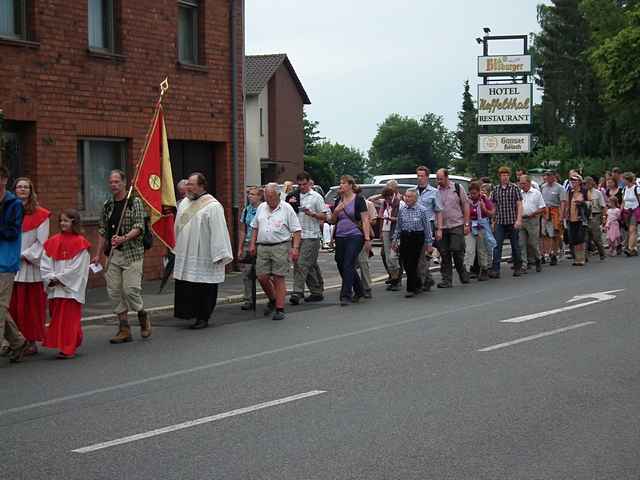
(7, 18)
(96, 24)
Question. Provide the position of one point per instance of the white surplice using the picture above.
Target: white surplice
(31, 250)
(72, 273)
(202, 247)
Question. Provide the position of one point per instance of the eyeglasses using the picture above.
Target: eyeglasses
(23, 187)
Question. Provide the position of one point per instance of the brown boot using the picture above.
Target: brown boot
(123, 335)
(145, 324)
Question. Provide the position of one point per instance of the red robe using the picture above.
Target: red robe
(65, 330)
(28, 299)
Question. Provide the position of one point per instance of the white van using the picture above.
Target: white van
(412, 178)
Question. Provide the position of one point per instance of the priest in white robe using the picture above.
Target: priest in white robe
(203, 249)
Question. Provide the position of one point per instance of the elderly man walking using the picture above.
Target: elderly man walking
(413, 233)
(202, 250)
(273, 226)
(126, 250)
(507, 199)
(311, 211)
(453, 225)
(429, 199)
(533, 207)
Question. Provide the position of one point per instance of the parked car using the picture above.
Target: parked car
(317, 188)
(412, 178)
(368, 190)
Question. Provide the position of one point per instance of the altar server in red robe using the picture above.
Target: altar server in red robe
(65, 270)
(28, 299)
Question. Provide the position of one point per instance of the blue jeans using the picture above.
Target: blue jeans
(347, 251)
(502, 232)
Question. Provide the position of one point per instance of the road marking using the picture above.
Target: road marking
(194, 423)
(535, 337)
(599, 298)
(253, 356)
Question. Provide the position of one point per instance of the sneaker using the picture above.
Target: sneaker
(484, 276)
(493, 274)
(246, 306)
(313, 298)
(464, 278)
(444, 284)
(64, 356)
(409, 295)
(394, 288)
(554, 260)
(367, 295)
(17, 354)
(517, 272)
(344, 302)
(5, 351)
(538, 266)
(269, 308)
(356, 298)
(294, 300)
(428, 284)
(279, 315)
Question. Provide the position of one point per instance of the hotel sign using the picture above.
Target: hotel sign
(504, 143)
(508, 104)
(496, 65)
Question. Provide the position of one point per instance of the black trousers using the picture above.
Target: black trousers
(411, 244)
(195, 300)
(452, 248)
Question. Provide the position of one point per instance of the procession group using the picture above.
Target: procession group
(465, 230)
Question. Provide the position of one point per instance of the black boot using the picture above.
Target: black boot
(199, 325)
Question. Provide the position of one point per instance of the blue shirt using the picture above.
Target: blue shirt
(248, 214)
(413, 219)
(429, 200)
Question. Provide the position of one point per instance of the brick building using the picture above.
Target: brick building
(274, 128)
(80, 81)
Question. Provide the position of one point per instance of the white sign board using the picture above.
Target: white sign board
(504, 143)
(508, 104)
(495, 65)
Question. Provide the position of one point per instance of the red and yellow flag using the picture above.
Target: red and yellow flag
(154, 182)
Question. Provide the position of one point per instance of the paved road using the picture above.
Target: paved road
(389, 389)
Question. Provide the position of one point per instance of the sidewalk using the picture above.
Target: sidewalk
(98, 306)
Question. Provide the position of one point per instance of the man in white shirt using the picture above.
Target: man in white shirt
(522, 171)
(273, 226)
(533, 207)
(311, 211)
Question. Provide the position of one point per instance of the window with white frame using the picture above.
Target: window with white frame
(13, 19)
(188, 32)
(97, 157)
(101, 25)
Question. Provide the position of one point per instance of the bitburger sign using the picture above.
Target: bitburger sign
(508, 104)
(496, 65)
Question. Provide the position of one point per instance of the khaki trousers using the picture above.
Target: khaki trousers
(475, 244)
(365, 273)
(306, 269)
(124, 283)
(10, 331)
(529, 238)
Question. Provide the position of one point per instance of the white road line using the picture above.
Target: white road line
(194, 423)
(186, 371)
(535, 337)
(548, 313)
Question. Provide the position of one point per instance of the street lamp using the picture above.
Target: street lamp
(487, 30)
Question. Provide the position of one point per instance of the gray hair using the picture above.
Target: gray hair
(271, 187)
(183, 183)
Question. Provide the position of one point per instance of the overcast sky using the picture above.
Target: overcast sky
(361, 60)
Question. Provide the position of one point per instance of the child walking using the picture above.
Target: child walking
(612, 227)
(65, 270)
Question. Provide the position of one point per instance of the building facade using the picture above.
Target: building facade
(79, 85)
(275, 100)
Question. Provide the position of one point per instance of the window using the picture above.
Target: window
(101, 25)
(13, 19)
(188, 31)
(96, 158)
(261, 123)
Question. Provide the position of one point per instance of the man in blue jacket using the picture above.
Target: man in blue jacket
(11, 211)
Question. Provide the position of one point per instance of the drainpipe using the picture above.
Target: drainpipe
(236, 7)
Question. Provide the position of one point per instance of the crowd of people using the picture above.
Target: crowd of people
(463, 230)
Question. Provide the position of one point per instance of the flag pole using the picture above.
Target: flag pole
(164, 86)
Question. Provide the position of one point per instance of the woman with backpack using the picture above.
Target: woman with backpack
(352, 233)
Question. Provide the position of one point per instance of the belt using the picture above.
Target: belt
(412, 232)
(272, 244)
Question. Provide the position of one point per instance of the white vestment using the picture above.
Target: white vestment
(31, 250)
(202, 247)
(72, 273)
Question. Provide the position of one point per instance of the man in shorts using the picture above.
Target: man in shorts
(274, 224)
(555, 199)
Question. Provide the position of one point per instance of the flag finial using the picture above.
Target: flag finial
(164, 86)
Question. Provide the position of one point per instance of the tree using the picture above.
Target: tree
(467, 135)
(343, 160)
(403, 143)
(312, 136)
(320, 171)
